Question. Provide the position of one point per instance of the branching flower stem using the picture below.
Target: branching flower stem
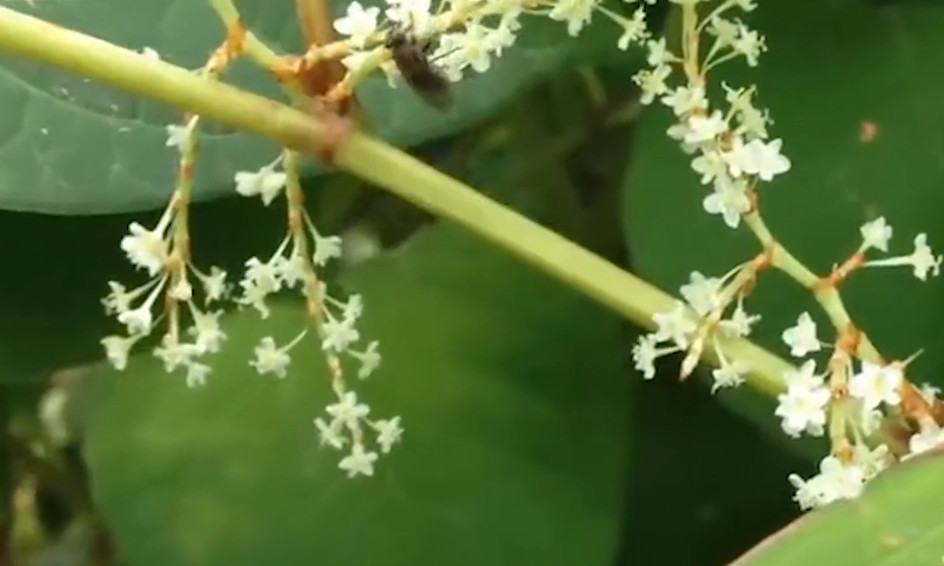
(372, 161)
(824, 289)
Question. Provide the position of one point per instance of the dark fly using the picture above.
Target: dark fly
(411, 56)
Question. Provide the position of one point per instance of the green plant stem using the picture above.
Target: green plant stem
(371, 160)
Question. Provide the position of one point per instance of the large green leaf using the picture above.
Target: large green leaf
(831, 66)
(76, 147)
(514, 401)
(896, 522)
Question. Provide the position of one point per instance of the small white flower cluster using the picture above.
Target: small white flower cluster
(856, 400)
(810, 399)
(855, 403)
(839, 480)
(350, 416)
(877, 233)
(688, 327)
(732, 152)
(163, 252)
(731, 149)
(291, 266)
(488, 27)
(170, 279)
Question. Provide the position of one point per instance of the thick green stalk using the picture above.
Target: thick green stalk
(369, 159)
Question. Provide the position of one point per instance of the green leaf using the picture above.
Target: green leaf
(831, 67)
(897, 521)
(77, 147)
(512, 394)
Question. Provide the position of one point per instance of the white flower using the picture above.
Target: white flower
(652, 82)
(388, 433)
(214, 284)
(674, 325)
(259, 281)
(725, 31)
(739, 323)
(728, 375)
(206, 330)
(138, 320)
(729, 199)
(181, 291)
(415, 13)
(756, 157)
(802, 337)
(174, 353)
(835, 481)
(645, 353)
(710, 165)
(703, 129)
(370, 360)
(749, 43)
(471, 48)
(576, 13)
(326, 247)
(176, 135)
(272, 359)
(634, 29)
(146, 248)
(293, 270)
(266, 182)
(803, 407)
(339, 335)
(922, 259)
(657, 54)
(330, 434)
(119, 299)
(358, 24)
(684, 100)
(803, 410)
(347, 410)
(358, 462)
(197, 374)
(117, 349)
(702, 293)
(353, 308)
(876, 234)
(876, 384)
(804, 377)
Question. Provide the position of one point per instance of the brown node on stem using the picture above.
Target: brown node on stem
(319, 78)
(849, 339)
(844, 451)
(233, 47)
(752, 198)
(764, 259)
(841, 272)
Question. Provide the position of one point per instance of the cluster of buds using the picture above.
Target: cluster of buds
(857, 397)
